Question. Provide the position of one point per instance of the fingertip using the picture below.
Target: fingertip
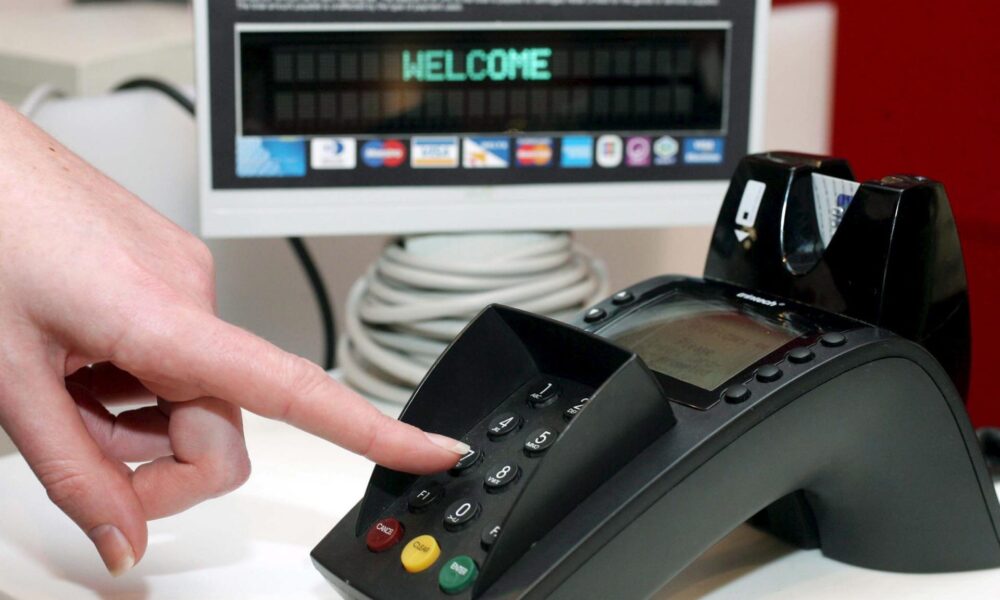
(451, 445)
(425, 465)
(426, 453)
(116, 551)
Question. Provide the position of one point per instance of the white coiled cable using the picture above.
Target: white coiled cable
(423, 290)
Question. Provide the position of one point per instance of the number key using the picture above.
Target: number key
(539, 441)
(543, 394)
(468, 461)
(503, 425)
(501, 476)
(575, 409)
(461, 513)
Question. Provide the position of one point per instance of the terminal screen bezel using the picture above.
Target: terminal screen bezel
(807, 323)
(671, 332)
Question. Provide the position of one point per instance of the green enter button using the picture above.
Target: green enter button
(457, 574)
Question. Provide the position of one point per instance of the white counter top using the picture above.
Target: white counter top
(255, 543)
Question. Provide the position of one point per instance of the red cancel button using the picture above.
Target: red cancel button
(384, 535)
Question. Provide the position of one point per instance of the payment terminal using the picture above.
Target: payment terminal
(809, 383)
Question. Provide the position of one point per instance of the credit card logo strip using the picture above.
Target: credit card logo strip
(333, 153)
(535, 152)
(638, 152)
(383, 153)
(434, 153)
(609, 151)
(665, 151)
(577, 152)
(258, 157)
(486, 153)
(704, 150)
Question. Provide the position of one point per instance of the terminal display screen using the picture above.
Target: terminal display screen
(394, 83)
(700, 342)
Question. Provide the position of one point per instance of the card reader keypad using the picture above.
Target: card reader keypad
(445, 526)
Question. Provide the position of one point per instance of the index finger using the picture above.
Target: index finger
(224, 361)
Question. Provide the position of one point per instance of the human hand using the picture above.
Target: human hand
(89, 275)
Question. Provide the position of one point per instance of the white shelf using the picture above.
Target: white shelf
(87, 49)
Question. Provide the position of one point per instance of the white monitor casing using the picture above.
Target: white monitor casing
(285, 208)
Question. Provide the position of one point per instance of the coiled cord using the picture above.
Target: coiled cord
(423, 290)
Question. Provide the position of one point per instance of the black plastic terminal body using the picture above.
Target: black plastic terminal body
(833, 429)
(506, 362)
(851, 438)
(844, 431)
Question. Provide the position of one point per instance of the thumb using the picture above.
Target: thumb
(95, 492)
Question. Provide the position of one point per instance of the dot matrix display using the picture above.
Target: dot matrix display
(412, 82)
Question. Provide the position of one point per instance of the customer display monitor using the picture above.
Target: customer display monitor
(336, 117)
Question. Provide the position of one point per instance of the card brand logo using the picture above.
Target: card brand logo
(387, 153)
(610, 151)
(534, 152)
(434, 153)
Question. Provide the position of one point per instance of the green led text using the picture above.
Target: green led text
(498, 64)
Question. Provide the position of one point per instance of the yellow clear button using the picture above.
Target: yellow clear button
(420, 554)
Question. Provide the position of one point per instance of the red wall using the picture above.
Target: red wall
(918, 91)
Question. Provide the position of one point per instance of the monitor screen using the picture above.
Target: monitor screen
(439, 115)
(700, 342)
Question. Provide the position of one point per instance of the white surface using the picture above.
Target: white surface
(255, 543)
(251, 544)
(88, 49)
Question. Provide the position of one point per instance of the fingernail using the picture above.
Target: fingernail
(114, 548)
(460, 448)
